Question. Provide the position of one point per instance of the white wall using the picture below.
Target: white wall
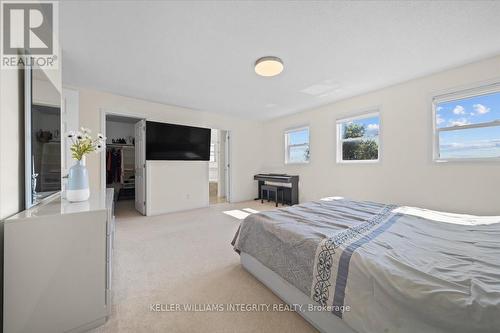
(246, 135)
(406, 175)
(11, 142)
(70, 120)
(175, 186)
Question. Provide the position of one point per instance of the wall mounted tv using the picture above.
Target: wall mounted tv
(177, 142)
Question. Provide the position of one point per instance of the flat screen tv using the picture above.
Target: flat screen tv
(177, 142)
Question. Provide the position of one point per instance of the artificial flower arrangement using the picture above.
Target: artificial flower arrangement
(82, 143)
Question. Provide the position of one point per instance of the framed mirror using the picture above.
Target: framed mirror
(42, 137)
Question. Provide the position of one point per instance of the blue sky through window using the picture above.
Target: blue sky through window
(473, 142)
(371, 124)
(298, 137)
(473, 110)
(298, 154)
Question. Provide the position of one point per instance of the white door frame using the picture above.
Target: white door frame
(108, 112)
(229, 162)
(140, 166)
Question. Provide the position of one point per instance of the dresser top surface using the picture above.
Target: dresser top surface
(99, 200)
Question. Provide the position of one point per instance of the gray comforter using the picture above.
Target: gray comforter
(383, 268)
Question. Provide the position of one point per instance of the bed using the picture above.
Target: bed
(368, 267)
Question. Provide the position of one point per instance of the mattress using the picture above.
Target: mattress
(323, 321)
(383, 268)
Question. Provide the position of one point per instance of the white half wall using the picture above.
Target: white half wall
(173, 186)
(406, 174)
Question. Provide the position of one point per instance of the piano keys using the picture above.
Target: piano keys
(289, 183)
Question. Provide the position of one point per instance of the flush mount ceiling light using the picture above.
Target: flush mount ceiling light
(268, 66)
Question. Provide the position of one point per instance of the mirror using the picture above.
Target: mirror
(43, 137)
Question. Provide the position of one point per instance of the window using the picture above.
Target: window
(297, 145)
(358, 138)
(467, 125)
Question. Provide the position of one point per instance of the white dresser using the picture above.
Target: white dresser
(57, 266)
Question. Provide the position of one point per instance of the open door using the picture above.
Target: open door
(140, 166)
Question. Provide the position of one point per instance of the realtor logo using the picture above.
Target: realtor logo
(28, 30)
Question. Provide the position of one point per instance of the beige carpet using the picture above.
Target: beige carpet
(187, 258)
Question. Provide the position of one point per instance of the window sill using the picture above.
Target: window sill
(358, 161)
(296, 163)
(467, 160)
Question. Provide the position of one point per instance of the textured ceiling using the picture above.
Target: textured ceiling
(200, 54)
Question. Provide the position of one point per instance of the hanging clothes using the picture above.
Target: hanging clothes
(114, 166)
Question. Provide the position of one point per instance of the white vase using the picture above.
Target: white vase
(77, 188)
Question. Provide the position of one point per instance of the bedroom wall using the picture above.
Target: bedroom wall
(245, 135)
(406, 175)
(11, 153)
(11, 142)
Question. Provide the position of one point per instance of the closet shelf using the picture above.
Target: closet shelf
(119, 145)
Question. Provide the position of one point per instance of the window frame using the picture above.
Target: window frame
(287, 146)
(374, 112)
(453, 95)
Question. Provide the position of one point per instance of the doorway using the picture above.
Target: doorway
(124, 162)
(219, 167)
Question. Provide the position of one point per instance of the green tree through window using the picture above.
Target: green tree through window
(356, 145)
(354, 130)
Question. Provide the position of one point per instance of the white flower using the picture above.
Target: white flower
(99, 146)
(81, 141)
